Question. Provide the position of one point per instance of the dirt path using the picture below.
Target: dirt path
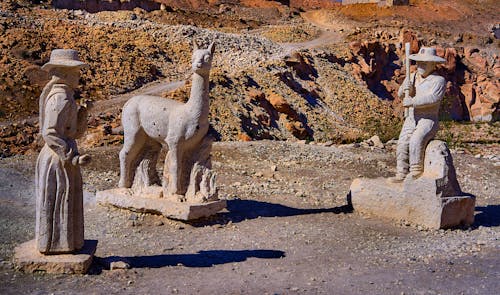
(116, 102)
(325, 38)
(285, 232)
(329, 34)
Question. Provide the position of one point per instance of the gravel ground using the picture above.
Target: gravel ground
(287, 230)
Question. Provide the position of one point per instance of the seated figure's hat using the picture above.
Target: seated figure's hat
(63, 58)
(427, 54)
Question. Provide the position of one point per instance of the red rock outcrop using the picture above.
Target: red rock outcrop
(473, 75)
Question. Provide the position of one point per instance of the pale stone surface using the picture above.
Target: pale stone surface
(188, 189)
(119, 265)
(151, 201)
(28, 259)
(59, 194)
(422, 95)
(433, 200)
(151, 121)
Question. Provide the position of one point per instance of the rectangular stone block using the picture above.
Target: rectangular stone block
(28, 259)
(150, 201)
(418, 204)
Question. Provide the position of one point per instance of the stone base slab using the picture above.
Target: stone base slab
(417, 203)
(28, 259)
(151, 201)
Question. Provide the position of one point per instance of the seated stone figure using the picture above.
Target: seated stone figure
(425, 190)
(426, 89)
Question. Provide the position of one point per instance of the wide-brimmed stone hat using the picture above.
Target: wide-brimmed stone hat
(427, 54)
(63, 58)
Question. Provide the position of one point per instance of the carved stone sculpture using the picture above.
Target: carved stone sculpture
(150, 122)
(433, 200)
(59, 193)
(425, 190)
(425, 89)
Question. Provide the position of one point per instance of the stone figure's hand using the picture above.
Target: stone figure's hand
(408, 102)
(84, 159)
(406, 85)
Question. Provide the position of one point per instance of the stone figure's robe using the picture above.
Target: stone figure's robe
(419, 129)
(59, 195)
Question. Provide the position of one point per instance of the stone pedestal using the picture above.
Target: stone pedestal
(433, 200)
(415, 202)
(150, 200)
(28, 259)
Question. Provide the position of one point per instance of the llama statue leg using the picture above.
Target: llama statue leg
(132, 148)
(172, 173)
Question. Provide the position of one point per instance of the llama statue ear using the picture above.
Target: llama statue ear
(212, 47)
(195, 45)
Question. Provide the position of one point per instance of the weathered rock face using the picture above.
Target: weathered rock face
(473, 90)
(482, 85)
(472, 75)
(370, 63)
(433, 200)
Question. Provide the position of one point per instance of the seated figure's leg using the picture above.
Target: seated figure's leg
(402, 150)
(424, 132)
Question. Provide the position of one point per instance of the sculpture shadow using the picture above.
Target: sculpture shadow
(200, 259)
(489, 216)
(240, 210)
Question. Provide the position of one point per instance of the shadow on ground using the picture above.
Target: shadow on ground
(488, 216)
(240, 210)
(200, 259)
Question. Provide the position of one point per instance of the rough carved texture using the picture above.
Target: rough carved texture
(150, 201)
(434, 200)
(27, 259)
(422, 92)
(59, 193)
(149, 121)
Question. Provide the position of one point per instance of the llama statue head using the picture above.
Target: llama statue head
(202, 58)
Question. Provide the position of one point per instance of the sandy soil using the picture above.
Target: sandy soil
(285, 231)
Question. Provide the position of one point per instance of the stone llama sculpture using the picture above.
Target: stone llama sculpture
(59, 193)
(150, 122)
(425, 190)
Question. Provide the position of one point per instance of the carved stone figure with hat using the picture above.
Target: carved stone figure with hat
(424, 92)
(425, 190)
(59, 245)
(58, 180)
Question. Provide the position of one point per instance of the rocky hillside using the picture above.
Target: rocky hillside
(318, 76)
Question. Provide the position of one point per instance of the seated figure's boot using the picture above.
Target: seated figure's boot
(415, 172)
(399, 177)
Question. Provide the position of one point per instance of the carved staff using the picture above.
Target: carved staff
(408, 110)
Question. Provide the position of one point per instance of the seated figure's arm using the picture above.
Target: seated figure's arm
(407, 84)
(431, 94)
